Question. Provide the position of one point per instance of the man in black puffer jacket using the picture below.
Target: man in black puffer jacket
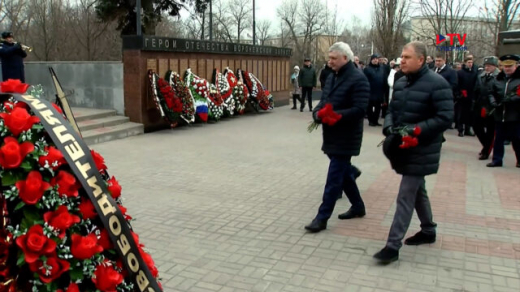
(347, 90)
(505, 99)
(422, 99)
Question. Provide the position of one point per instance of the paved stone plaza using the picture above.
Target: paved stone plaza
(222, 206)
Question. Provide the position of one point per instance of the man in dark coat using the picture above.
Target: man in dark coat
(347, 91)
(467, 79)
(377, 77)
(325, 72)
(11, 56)
(506, 101)
(307, 81)
(422, 100)
(484, 123)
(448, 73)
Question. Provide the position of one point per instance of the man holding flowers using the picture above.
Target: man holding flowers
(341, 111)
(420, 111)
(505, 99)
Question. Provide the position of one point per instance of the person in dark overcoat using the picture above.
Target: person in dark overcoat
(377, 75)
(504, 98)
(484, 123)
(347, 91)
(467, 79)
(11, 56)
(423, 100)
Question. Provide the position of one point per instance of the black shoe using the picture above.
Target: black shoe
(387, 255)
(420, 238)
(293, 108)
(461, 134)
(518, 164)
(301, 110)
(494, 164)
(351, 213)
(483, 157)
(469, 133)
(372, 124)
(316, 226)
(310, 109)
(507, 142)
(357, 172)
(379, 125)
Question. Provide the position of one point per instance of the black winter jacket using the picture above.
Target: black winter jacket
(348, 92)
(483, 90)
(424, 99)
(324, 74)
(12, 56)
(451, 76)
(467, 79)
(503, 86)
(307, 76)
(377, 77)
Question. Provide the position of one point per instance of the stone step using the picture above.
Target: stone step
(83, 114)
(86, 125)
(108, 133)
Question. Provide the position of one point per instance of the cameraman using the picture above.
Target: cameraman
(11, 55)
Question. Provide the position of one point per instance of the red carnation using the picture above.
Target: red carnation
(32, 188)
(99, 161)
(483, 112)
(19, 120)
(114, 188)
(13, 86)
(416, 131)
(54, 158)
(518, 90)
(87, 209)
(61, 219)
(106, 278)
(464, 92)
(149, 263)
(12, 153)
(67, 184)
(104, 240)
(85, 247)
(123, 210)
(35, 244)
(51, 269)
(73, 287)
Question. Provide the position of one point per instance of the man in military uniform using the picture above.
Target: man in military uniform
(505, 100)
(484, 123)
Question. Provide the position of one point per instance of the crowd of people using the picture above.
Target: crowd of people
(475, 112)
(420, 98)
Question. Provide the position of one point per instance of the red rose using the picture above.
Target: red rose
(12, 153)
(85, 247)
(13, 86)
(104, 240)
(31, 190)
(106, 278)
(61, 219)
(35, 244)
(149, 263)
(169, 102)
(67, 184)
(114, 188)
(19, 120)
(73, 287)
(123, 210)
(51, 270)
(417, 131)
(87, 209)
(54, 158)
(99, 161)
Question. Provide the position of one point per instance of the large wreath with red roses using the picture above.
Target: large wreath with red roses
(182, 91)
(256, 91)
(226, 92)
(51, 237)
(165, 99)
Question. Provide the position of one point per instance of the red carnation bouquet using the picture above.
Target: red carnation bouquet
(408, 136)
(51, 237)
(327, 116)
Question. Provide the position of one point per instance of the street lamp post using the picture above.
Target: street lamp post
(210, 20)
(254, 24)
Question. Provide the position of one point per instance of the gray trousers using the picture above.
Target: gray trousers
(412, 194)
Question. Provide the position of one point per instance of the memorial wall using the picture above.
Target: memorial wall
(160, 54)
